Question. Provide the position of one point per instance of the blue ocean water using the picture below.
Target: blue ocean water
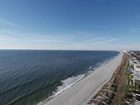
(30, 76)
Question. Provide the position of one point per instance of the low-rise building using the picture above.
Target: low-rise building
(136, 78)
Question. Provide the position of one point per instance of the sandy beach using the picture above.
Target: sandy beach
(81, 92)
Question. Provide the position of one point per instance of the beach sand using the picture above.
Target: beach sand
(84, 90)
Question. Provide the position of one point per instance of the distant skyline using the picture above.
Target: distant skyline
(70, 24)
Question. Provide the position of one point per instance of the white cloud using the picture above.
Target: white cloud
(29, 37)
(74, 41)
(8, 23)
(37, 41)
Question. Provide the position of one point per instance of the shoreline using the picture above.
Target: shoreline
(113, 91)
(86, 88)
(83, 76)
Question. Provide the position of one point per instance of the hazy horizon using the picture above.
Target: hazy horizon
(70, 24)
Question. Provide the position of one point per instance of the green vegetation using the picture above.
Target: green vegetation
(129, 88)
(122, 83)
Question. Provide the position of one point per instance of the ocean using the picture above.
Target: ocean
(28, 77)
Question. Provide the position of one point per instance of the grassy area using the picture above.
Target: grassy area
(128, 96)
(120, 87)
(122, 84)
(127, 99)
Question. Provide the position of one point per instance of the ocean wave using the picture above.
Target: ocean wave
(70, 81)
(67, 83)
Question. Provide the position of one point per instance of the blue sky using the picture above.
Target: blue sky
(70, 24)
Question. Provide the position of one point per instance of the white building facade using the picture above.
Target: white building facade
(136, 78)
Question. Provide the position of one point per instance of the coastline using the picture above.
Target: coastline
(87, 87)
(65, 86)
(82, 76)
(113, 91)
